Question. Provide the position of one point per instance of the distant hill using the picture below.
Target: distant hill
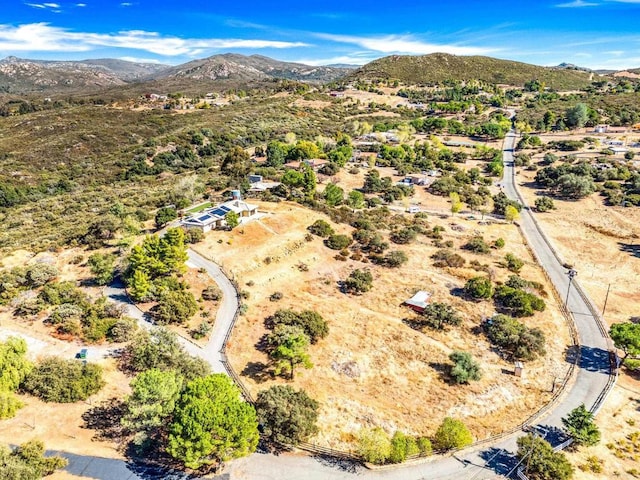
(440, 67)
(628, 73)
(231, 66)
(19, 75)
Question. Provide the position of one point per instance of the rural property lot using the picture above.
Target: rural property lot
(373, 369)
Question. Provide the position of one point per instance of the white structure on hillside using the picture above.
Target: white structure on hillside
(213, 218)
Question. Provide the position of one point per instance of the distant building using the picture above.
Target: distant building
(315, 164)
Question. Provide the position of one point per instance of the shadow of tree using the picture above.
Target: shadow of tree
(594, 359)
(258, 371)
(341, 464)
(105, 420)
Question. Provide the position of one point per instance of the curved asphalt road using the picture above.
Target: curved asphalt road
(591, 379)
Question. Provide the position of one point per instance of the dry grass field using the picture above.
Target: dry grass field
(373, 369)
(601, 242)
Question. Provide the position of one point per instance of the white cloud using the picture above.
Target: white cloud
(397, 44)
(42, 37)
(126, 4)
(81, 5)
(35, 5)
(143, 60)
(577, 4)
(51, 5)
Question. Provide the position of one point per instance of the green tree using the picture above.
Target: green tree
(626, 337)
(518, 302)
(27, 462)
(211, 423)
(477, 244)
(165, 215)
(140, 286)
(540, 462)
(321, 228)
(338, 241)
(452, 434)
(456, 204)
(14, 366)
(160, 349)
(544, 204)
(577, 116)
(64, 381)
(333, 194)
(440, 315)
(309, 181)
(581, 426)
(9, 405)
(478, 288)
(102, 267)
(574, 186)
(515, 337)
(511, 213)
(289, 344)
(286, 415)
(175, 306)
(152, 401)
(232, 219)
(358, 281)
(276, 153)
(374, 445)
(310, 321)
(464, 368)
(236, 163)
(355, 199)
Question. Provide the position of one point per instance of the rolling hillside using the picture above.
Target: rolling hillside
(440, 67)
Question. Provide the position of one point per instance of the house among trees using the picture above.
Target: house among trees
(216, 217)
(315, 164)
(419, 301)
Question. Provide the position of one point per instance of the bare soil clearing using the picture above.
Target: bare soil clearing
(374, 369)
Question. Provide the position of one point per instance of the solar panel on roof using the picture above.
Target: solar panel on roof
(204, 218)
(220, 212)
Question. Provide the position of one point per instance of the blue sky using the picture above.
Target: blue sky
(591, 33)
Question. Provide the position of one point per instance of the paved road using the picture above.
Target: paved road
(484, 463)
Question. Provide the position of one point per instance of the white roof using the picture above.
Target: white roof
(215, 214)
(420, 299)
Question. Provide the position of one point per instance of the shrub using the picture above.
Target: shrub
(452, 434)
(202, 331)
(374, 445)
(338, 242)
(447, 258)
(9, 405)
(424, 446)
(544, 204)
(64, 381)
(102, 267)
(212, 293)
(359, 281)
(514, 337)
(499, 243)
(477, 245)
(440, 316)
(539, 460)
(513, 263)
(403, 236)
(402, 446)
(321, 228)
(276, 296)
(40, 274)
(193, 235)
(391, 259)
(478, 288)
(464, 368)
(312, 323)
(123, 330)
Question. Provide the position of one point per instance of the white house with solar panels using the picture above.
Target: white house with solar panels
(214, 217)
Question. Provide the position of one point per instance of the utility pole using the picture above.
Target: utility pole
(572, 273)
(606, 298)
